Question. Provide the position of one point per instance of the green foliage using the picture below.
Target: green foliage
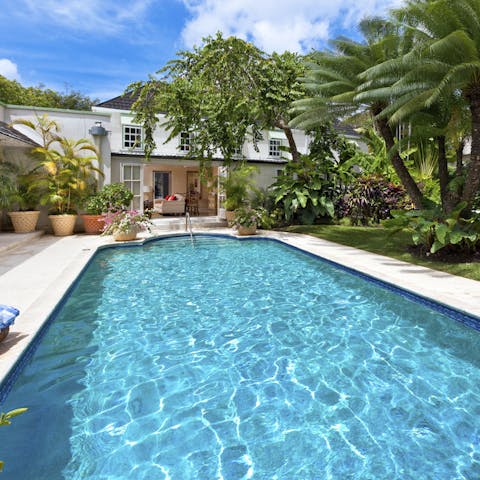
(8, 173)
(225, 92)
(29, 188)
(238, 185)
(12, 92)
(435, 230)
(67, 166)
(111, 198)
(5, 420)
(303, 192)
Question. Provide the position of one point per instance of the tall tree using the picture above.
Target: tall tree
(14, 93)
(223, 92)
(447, 51)
(334, 80)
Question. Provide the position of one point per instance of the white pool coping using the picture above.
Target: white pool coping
(35, 276)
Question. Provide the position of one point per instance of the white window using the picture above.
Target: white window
(186, 139)
(132, 137)
(132, 179)
(274, 147)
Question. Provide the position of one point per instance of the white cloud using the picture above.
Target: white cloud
(99, 16)
(9, 69)
(278, 25)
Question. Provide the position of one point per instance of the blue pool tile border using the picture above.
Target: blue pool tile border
(463, 317)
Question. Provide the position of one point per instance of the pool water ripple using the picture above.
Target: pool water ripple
(237, 360)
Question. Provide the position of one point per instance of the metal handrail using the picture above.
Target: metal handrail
(188, 225)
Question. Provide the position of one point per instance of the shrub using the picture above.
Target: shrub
(435, 230)
(370, 199)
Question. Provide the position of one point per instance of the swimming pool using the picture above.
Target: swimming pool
(243, 360)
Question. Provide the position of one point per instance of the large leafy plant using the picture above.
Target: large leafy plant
(304, 191)
(238, 185)
(435, 230)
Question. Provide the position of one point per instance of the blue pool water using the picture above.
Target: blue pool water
(238, 360)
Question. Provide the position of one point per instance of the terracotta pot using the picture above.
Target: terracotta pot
(93, 224)
(247, 230)
(230, 217)
(125, 236)
(24, 222)
(63, 224)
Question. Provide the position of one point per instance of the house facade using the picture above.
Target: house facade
(111, 127)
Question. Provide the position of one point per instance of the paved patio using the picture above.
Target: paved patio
(36, 271)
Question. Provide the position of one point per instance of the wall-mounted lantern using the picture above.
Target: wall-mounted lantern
(97, 130)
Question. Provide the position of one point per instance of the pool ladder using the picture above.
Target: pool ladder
(188, 226)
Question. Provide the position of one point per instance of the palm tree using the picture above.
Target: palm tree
(446, 65)
(70, 169)
(334, 80)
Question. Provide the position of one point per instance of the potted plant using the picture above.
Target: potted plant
(68, 166)
(115, 197)
(93, 220)
(111, 198)
(237, 187)
(124, 225)
(68, 175)
(24, 199)
(246, 220)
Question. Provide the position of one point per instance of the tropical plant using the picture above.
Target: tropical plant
(238, 185)
(8, 173)
(333, 81)
(28, 188)
(68, 166)
(125, 221)
(69, 173)
(5, 420)
(434, 230)
(304, 191)
(369, 199)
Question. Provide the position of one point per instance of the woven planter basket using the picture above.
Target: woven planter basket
(24, 222)
(125, 236)
(246, 230)
(63, 224)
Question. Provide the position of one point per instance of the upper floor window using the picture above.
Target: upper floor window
(132, 137)
(186, 141)
(274, 147)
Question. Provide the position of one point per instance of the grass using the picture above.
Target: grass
(379, 240)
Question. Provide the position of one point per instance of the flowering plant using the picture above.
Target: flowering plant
(125, 221)
(247, 217)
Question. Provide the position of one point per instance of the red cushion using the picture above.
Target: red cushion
(173, 197)
(167, 197)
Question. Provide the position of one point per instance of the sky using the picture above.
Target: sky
(98, 47)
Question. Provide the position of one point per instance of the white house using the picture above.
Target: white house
(111, 128)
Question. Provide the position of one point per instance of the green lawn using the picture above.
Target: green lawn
(378, 240)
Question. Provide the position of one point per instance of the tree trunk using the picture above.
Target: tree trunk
(403, 174)
(280, 123)
(459, 154)
(472, 180)
(443, 172)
